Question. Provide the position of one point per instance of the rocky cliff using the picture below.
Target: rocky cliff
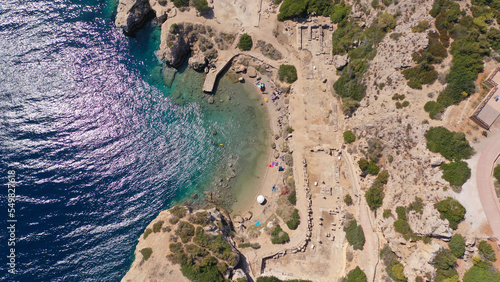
(132, 15)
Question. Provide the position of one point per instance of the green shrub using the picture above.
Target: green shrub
(349, 137)
(201, 218)
(456, 173)
(181, 3)
(476, 273)
(178, 211)
(398, 272)
(354, 235)
(496, 173)
(245, 43)
(375, 196)
(452, 145)
(391, 261)
(293, 223)
(291, 9)
(340, 12)
(486, 251)
(185, 231)
(406, 104)
(444, 263)
(287, 73)
(319, 7)
(421, 74)
(457, 245)
(417, 205)
(386, 22)
(402, 227)
(451, 210)
(355, 275)
(157, 226)
(244, 245)
(433, 108)
(383, 176)
(387, 213)
(146, 253)
(348, 200)
(201, 6)
(147, 232)
(372, 169)
(401, 212)
(278, 236)
(292, 198)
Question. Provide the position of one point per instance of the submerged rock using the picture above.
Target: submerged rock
(169, 75)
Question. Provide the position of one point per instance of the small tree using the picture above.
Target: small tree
(457, 245)
(348, 200)
(245, 43)
(349, 137)
(201, 6)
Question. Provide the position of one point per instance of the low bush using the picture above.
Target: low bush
(417, 205)
(185, 231)
(348, 200)
(292, 198)
(146, 253)
(457, 245)
(434, 109)
(290, 9)
(147, 232)
(354, 235)
(157, 226)
(375, 195)
(287, 73)
(476, 273)
(419, 75)
(452, 145)
(201, 6)
(349, 137)
(402, 227)
(486, 251)
(293, 223)
(383, 176)
(387, 213)
(451, 210)
(496, 173)
(178, 211)
(401, 212)
(392, 265)
(355, 275)
(181, 3)
(444, 262)
(245, 43)
(278, 236)
(456, 173)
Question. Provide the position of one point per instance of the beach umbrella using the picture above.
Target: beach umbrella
(261, 199)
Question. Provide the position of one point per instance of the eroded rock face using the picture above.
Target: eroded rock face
(340, 61)
(198, 61)
(132, 15)
(429, 223)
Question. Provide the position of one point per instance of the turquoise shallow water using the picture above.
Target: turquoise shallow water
(98, 144)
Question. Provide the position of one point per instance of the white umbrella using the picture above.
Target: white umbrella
(261, 199)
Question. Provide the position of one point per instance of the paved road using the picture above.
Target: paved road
(485, 185)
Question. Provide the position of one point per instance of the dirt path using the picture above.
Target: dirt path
(371, 249)
(485, 184)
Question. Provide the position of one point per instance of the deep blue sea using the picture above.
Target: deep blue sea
(97, 144)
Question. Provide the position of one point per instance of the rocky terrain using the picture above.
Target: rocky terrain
(190, 238)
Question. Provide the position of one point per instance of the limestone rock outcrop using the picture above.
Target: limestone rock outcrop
(429, 223)
(132, 15)
(340, 61)
(198, 61)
